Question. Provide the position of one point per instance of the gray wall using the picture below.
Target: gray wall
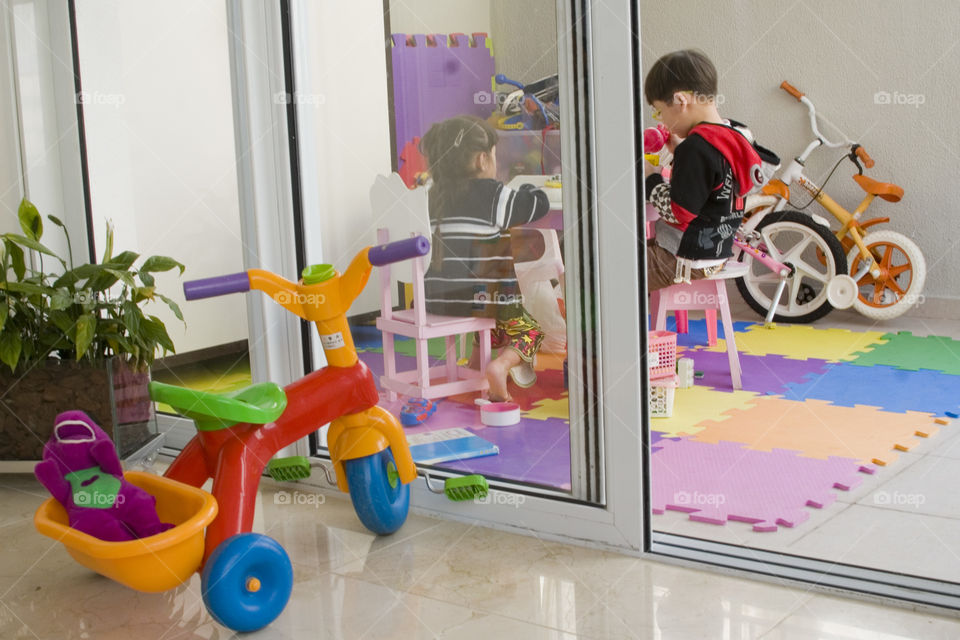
(524, 38)
(841, 54)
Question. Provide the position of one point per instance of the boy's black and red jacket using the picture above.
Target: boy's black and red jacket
(713, 169)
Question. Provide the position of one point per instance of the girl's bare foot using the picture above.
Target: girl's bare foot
(497, 381)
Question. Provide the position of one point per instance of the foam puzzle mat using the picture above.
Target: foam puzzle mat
(818, 408)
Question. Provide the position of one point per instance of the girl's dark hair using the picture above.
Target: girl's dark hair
(450, 148)
(686, 70)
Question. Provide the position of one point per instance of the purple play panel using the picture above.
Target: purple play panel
(769, 374)
(725, 481)
(434, 79)
(533, 451)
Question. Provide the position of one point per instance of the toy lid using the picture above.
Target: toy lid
(317, 273)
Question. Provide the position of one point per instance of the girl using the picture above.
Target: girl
(471, 273)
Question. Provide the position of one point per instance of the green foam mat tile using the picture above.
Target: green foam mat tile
(906, 351)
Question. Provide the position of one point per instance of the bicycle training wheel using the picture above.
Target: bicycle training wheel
(247, 581)
(903, 272)
(814, 256)
(379, 498)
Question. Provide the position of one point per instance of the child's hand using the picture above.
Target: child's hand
(672, 142)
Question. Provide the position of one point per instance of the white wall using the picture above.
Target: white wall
(345, 129)
(841, 54)
(10, 181)
(160, 147)
(439, 16)
(524, 38)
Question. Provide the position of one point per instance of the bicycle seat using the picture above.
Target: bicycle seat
(887, 191)
(257, 404)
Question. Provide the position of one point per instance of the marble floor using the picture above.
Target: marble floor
(905, 518)
(432, 579)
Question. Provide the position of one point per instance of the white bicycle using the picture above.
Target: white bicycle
(887, 268)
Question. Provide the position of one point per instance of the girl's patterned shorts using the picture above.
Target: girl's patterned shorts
(522, 334)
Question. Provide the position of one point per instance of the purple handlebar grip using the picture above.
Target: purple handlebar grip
(382, 254)
(216, 286)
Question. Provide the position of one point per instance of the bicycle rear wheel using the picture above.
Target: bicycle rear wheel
(903, 271)
(814, 256)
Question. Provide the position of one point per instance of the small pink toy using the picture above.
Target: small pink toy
(654, 138)
(80, 468)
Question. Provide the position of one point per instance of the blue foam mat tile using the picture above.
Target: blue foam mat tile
(697, 335)
(881, 386)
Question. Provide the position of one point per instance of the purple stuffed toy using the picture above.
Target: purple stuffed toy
(80, 468)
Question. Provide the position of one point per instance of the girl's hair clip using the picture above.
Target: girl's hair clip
(459, 139)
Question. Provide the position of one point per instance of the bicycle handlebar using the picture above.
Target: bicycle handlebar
(792, 90)
(863, 155)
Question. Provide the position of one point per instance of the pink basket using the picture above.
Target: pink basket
(662, 347)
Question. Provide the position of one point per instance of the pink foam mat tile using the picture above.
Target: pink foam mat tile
(717, 483)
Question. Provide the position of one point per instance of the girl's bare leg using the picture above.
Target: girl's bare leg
(497, 372)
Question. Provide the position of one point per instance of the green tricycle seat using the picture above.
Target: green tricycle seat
(257, 404)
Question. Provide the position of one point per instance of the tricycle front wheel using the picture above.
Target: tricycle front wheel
(380, 499)
(247, 581)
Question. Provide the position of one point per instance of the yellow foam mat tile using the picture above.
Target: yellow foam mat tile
(695, 405)
(549, 408)
(802, 342)
(818, 429)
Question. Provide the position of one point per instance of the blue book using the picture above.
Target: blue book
(446, 445)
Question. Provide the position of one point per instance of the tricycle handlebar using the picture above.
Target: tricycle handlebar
(382, 254)
(216, 286)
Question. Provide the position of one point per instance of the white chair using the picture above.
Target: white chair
(534, 279)
(400, 212)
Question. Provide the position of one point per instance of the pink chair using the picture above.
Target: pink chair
(406, 209)
(709, 295)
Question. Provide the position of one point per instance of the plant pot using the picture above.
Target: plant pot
(114, 395)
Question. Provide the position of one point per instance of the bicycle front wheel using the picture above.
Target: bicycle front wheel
(903, 271)
(814, 256)
(380, 499)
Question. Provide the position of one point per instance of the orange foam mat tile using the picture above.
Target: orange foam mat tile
(696, 405)
(802, 342)
(818, 429)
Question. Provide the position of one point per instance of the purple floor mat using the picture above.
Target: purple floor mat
(725, 481)
(759, 374)
(533, 451)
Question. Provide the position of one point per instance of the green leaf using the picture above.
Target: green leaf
(153, 330)
(3, 315)
(30, 243)
(147, 279)
(86, 328)
(143, 293)
(10, 348)
(30, 220)
(62, 320)
(61, 300)
(123, 276)
(173, 306)
(16, 259)
(123, 261)
(132, 316)
(160, 263)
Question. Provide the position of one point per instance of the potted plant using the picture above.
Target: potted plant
(75, 337)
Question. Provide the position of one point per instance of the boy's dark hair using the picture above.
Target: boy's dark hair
(450, 148)
(686, 70)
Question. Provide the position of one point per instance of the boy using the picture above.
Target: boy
(714, 167)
